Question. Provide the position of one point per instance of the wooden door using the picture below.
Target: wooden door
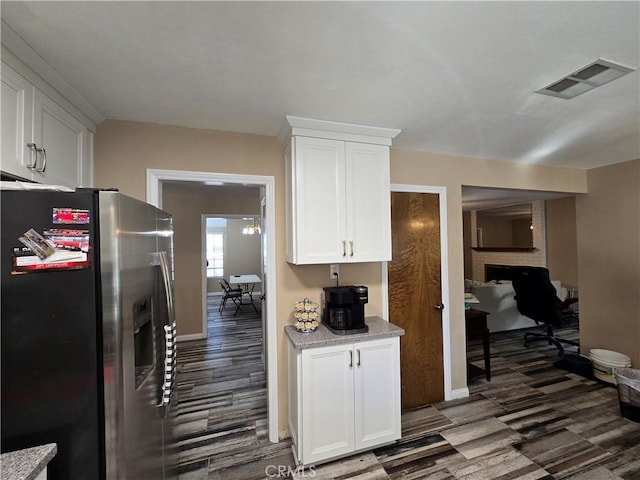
(414, 292)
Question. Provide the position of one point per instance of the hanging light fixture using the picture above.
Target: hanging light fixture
(252, 228)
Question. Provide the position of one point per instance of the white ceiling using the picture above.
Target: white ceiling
(457, 77)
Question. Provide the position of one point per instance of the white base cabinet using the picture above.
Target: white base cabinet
(41, 141)
(344, 398)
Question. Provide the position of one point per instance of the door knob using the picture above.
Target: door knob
(439, 306)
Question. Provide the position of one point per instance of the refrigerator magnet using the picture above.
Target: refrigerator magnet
(37, 244)
(66, 239)
(70, 216)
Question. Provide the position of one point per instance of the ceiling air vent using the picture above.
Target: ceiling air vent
(587, 78)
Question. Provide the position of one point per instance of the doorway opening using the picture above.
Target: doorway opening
(155, 180)
(230, 254)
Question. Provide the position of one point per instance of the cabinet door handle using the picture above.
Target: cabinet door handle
(344, 248)
(350, 358)
(351, 244)
(44, 159)
(358, 350)
(34, 156)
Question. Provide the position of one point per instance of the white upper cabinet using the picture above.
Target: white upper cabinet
(41, 140)
(368, 202)
(17, 124)
(338, 193)
(61, 138)
(318, 202)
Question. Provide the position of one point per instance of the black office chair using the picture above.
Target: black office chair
(536, 298)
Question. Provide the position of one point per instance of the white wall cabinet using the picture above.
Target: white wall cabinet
(344, 398)
(62, 139)
(41, 141)
(338, 192)
(340, 201)
(17, 124)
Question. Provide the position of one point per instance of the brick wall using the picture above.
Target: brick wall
(537, 258)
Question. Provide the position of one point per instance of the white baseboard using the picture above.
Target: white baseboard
(459, 393)
(191, 336)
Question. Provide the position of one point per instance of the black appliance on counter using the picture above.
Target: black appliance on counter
(343, 309)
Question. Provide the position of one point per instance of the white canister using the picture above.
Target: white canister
(604, 362)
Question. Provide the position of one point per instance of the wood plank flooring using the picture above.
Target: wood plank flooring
(531, 421)
(221, 389)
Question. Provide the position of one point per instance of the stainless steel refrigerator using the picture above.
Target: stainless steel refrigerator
(88, 333)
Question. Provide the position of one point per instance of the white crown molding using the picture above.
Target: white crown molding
(310, 127)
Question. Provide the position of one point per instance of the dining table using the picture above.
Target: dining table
(246, 282)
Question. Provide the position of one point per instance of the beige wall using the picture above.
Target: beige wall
(187, 203)
(608, 233)
(562, 255)
(242, 252)
(124, 150)
(412, 168)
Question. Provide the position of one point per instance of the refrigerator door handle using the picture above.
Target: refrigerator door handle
(170, 361)
(166, 276)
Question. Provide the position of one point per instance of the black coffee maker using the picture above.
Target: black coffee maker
(343, 309)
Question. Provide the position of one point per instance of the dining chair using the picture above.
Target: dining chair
(235, 295)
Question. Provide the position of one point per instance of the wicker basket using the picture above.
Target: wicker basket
(628, 382)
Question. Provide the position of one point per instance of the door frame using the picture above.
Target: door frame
(155, 177)
(441, 191)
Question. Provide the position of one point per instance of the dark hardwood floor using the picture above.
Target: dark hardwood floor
(531, 421)
(222, 401)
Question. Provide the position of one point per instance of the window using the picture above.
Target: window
(215, 254)
(216, 229)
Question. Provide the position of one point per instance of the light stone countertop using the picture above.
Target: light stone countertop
(322, 336)
(26, 464)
